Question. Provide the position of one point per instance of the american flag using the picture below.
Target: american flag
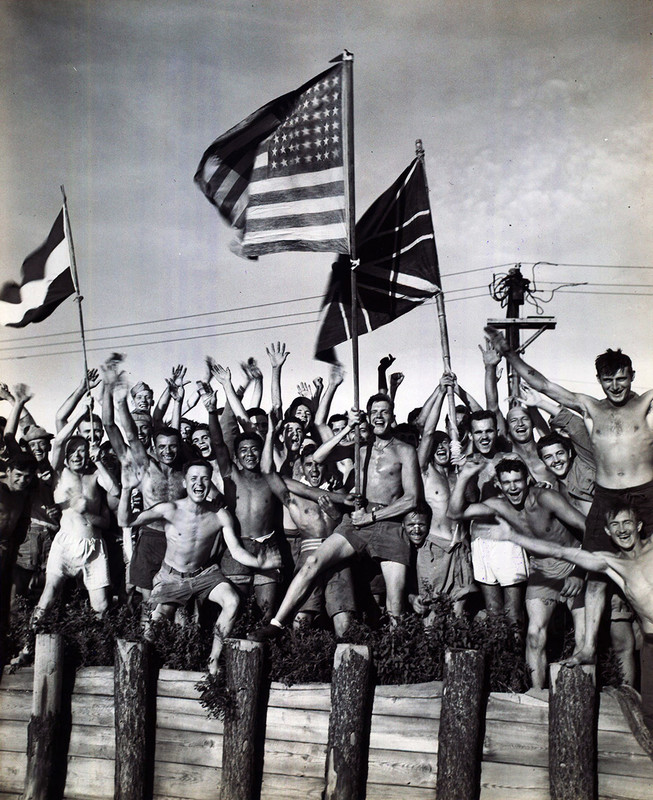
(398, 267)
(278, 176)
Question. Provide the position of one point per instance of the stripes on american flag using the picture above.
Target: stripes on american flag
(278, 176)
(46, 281)
(398, 263)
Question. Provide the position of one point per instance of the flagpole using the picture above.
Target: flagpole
(78, 299)
(442, 319)
(350, 206)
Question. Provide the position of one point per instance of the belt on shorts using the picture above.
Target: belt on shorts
(192, 574)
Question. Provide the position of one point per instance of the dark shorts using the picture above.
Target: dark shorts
(640, 497)
(33, 552)
(545, 587)
(147, 557)
(384, 540)
(170, 586)
(239, 573)
(442, 571)
(334, 588)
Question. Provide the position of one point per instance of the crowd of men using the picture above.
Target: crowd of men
(550, 504)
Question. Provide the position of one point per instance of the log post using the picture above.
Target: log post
(242, 749)
(461, 725)
(130, 683)
(572, 732)
(45, 722)
(349, 723)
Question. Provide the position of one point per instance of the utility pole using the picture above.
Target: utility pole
(511, 291)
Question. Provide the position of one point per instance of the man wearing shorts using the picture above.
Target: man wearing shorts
(193, 526)
(549, 516)
(620, 427)
(631, 568)
(316, 519)
(78, 547)
(391, 487)
(500, 572)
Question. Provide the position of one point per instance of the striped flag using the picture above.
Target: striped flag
(398, 267)
(45, 282)
(278, 176)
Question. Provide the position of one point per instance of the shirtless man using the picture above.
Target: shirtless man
(501, 572)
(161, 479)
(316, 519)
(444, 560)
(621, 432)
(631, 568)
(254, 498)
(78, 547)
(192, 527)
(392, 486)
(549, 516)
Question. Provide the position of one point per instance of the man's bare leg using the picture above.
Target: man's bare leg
(594, 603)
(229, 601)
(332, 551)
(341, 622)
(99, 601)
(539, 612)
(513, 599)
(266, 595)
(623, 643)
(492, 597)
(394, 575)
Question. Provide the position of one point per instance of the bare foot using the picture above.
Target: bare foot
(582, 656)
(215, 669)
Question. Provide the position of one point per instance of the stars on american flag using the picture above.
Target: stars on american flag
(310, 138)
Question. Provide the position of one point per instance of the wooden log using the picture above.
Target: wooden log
(242, 753)
(459, 738)
(349, 723)
(45, 722)
(572, 732)
(131, 682)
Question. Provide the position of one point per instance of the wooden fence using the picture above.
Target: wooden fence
(399, 747)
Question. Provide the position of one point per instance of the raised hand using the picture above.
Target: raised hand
(251, 369)
(396, 379)
(93, 378)
(336, 375)
(222, 374)
(277, 354)
(5, 394)
(496, 340)
(386, 362)
(491, 356)
(318, 383)
(210, 400)
(304, 390)
(22, 393)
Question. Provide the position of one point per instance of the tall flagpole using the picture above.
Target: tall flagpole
(442, 318)
(350, 206)
(78, 299)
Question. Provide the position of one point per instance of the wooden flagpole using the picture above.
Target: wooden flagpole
(350, 206)
(78, 299)
(442, 319)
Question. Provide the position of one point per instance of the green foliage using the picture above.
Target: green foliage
(184, 647)
(215, 696)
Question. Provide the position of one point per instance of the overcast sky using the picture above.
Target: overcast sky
(535, 117)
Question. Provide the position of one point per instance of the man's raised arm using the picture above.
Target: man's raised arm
(91, 380)
(592, 562)
(532, 376)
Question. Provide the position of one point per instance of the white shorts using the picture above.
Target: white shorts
(503, 563)
(71, 554)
